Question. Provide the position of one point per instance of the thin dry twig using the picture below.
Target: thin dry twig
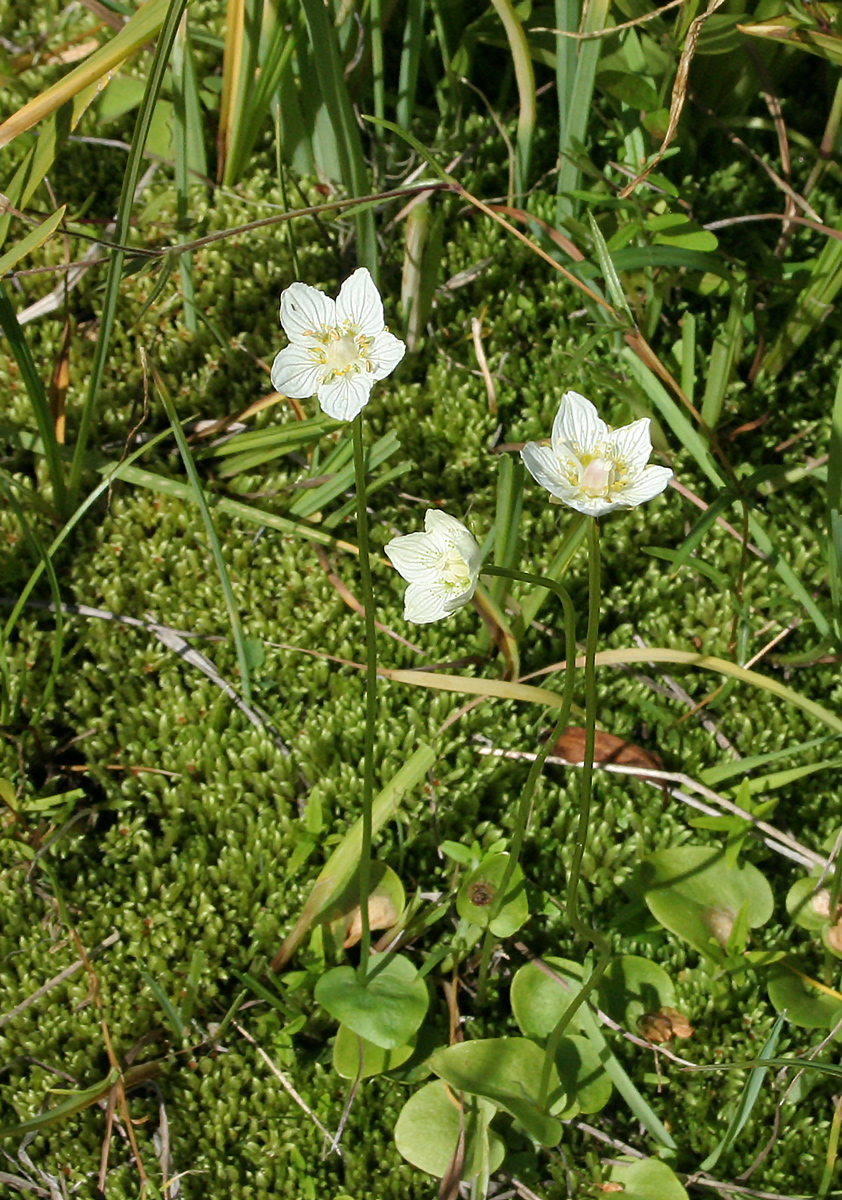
(598, 33)
(67, 973)
(679, 94)
(279, 1075)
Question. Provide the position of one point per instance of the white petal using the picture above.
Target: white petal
(650, 482)
(632, 445)
(305, 310)
(445, 527)
(577, 424)
(294, 373)
(385, 354)
(415, 556)
(423, 604)
(344, 397)
(360, 305)
(544, 467)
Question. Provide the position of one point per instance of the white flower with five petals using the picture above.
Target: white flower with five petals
(590, 466)
(338, 349)
(441, 567)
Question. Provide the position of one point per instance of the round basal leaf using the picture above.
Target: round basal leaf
(693, 892)
(646, 1179)
(386, 902)
(583, 1077)
(506, 1071)
(538, 997)
(675, 229)
(808, 908)
(386, 1010)
(427, 1132)
(478, 891)
(805, 1005)
(348, 1046)
(632, 986)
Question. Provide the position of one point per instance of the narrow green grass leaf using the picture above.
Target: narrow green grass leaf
(834, 510)
(573, 537)
(723, 356)
(688, 355)
(507, 522)
(35, 238)
(14, 706)
(213, 539)
(189, 151)
(37, 399)
(137, 32)
(525, 80)
(412, 45)
(170, 1011)
(576, 111)
(609, 272)
(343, 862)
(197, 962)
(171, 14)
(748, 1099)
(714, 776)
(75, 1102)
(334, 92)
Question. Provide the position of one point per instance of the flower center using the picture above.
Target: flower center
(597, 477)
(342, 355)
(453, 570)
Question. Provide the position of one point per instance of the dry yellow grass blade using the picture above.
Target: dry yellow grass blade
(232, 70)
(96, 70)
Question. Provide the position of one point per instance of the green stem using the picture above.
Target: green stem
(579, 926)
(535, 770)
(370, 694)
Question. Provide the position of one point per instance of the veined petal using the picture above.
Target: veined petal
(385, 353)
(360, 305)
(544, 467)
(415, 556)
(632, 445)
(294, 373)
(650, 482)
(423, 603)
(344, 397)
(578, 425)
(305, 310)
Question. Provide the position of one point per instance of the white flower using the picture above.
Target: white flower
(338, 349)
(592, 467)
(441, 567)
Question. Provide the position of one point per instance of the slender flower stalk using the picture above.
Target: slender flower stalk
(370, 696)
(525, 805)
(572, 906)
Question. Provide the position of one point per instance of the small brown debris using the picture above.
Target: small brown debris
(664, 1025)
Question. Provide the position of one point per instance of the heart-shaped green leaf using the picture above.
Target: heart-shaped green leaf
(693, 892)
(387, 1009)
(582, 1075)
(354, 1056)
(646, 1179)
(804, 1005)
(506, 1071)
(479, 891)
(427, 1132)
(632, 986)
(540, 993)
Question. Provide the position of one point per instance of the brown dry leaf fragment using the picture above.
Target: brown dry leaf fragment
(663, 1025)
(382, 914)
(607, 749)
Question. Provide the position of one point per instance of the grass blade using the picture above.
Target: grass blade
(169, 27)
(37, 398)
(96, 70)
(413, 42)
(575, 112)
(525, 79)
(723, 356)
(189, 151)
(834, 510)
(334, 93)
(35, 238)
(748, 1098)
(213, 538)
